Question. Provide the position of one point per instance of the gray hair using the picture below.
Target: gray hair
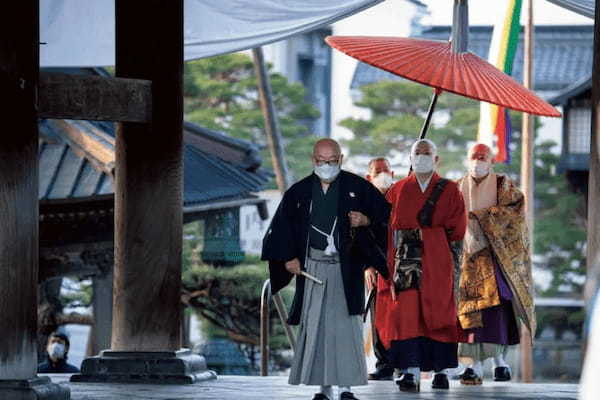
(432, 146)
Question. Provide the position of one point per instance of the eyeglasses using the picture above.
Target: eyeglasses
(320, 163)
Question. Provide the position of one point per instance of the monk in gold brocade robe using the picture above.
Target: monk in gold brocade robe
(496, 289)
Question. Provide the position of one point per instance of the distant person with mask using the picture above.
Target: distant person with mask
(416, 312)
(57, 350)
(380, 174)
(496, 288)
(318, 229)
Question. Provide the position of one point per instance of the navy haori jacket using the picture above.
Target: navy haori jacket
(287, 238)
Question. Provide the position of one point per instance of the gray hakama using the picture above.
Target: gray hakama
(330, 348)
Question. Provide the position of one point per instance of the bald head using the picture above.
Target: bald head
(423, 146)
(481, 152)
(480, 161)
(327, 146)
(327, 159)
(327, 151)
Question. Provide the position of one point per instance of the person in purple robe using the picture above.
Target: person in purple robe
(496, 290)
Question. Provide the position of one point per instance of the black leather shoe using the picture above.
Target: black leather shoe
(347, 396)
(408, 383)
(501, 374)
(382, 374)
(469, 377)
(440, 381)
(320, 396)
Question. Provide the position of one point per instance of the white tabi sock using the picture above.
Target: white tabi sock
(499, 362)
(398, 372)
(343, 389)
(327, 391)
(478, 368)
(416, 372)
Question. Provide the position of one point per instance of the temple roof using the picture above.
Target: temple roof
(577, 89)
(77, 160)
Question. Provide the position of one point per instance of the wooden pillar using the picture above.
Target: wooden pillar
(19, 247)
(146, 323)
(102, 305)
(19, 70)
(593, 214)
(149, 180)
(527, 178)
(271, 120)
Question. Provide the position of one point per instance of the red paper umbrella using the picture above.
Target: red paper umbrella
(434, 64)
(445, 66)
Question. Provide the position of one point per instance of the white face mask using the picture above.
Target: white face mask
(423, 163)
(327, 173)
(56, 350)
(478, 168)
(382, 181)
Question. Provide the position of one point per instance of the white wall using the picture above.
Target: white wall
(279, 55)
(252, 228)
(550, 129)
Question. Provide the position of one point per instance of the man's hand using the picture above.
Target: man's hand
(293, 266)
(358, 219)
(371, 278)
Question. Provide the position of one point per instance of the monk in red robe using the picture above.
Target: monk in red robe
(419, 326)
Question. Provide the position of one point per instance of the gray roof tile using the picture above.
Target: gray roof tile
(65, 174)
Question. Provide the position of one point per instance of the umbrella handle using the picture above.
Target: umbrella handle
(434, 97)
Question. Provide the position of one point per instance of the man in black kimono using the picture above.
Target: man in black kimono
(326, 225)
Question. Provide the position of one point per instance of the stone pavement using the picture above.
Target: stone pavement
(276, 387)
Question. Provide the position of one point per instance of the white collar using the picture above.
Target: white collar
(423, 185)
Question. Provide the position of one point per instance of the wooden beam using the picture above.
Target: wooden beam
(55, 268)
(101, 156)
(19, 60)
(98, 98)
(80, 259)
(149, 181)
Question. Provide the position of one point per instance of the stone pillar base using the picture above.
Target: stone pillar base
(159, 367)
(39, 388)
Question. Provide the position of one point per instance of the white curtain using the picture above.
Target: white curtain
(81, 34)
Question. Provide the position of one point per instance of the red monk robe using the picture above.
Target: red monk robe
(431, 310)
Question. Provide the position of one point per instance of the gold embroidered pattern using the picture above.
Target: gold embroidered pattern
(505, 228)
